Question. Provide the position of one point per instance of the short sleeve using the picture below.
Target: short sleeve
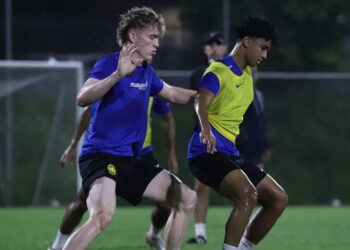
(157, 84)
(210, 82)
(103, 68)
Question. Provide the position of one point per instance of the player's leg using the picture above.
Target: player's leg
(224, 175)
(160, 213)
(101, 204)
(236, 187)
(200, 213)
(273, 200)
(159, 217)
(167, 189)
(71, 219)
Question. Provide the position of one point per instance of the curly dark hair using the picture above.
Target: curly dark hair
(257, 26)
(137, 17)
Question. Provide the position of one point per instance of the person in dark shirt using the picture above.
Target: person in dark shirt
(252, 142)
(214, 48)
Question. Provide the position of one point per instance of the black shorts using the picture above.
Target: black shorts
(132, 175)
(211, 169)
(150, 159)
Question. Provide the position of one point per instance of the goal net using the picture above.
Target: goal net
(37, 118)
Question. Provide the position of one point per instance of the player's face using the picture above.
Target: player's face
(208, 51)
(219, 51)
(147, 41)
(257, 51)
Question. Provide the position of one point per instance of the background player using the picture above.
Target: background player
(214, 48)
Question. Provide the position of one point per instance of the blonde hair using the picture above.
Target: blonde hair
(138, 17)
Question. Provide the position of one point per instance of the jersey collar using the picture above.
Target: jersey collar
(232, 65)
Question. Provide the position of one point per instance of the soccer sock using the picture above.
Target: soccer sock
(60, 240)
(229, 247)
(199, 229)
(154, 231)
(246, 244)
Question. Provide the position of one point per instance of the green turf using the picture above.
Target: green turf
(300, 228)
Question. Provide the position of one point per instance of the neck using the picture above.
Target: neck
(238, 56)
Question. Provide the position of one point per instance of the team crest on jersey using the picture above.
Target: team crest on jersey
(139, 85)
(111, 169)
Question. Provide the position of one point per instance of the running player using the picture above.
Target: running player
(160, 214)
(226, 91)
(118, 90)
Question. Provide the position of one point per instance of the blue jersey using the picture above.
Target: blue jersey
(119, 119)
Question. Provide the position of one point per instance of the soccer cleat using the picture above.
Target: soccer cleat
(200, 240)
(154, 241)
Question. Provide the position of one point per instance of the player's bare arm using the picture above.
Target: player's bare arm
(177, 94)
(71, 151)
(201, 105)
(170, 133)
(94, 89)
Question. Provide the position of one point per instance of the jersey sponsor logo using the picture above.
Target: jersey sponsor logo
(111, 169)
(139, 85)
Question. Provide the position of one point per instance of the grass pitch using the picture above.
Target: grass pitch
(299, 228)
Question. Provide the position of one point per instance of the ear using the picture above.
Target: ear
(132, 36)
(246, 41)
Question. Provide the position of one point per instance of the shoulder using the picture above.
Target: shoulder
(217, 68)
(104, 66)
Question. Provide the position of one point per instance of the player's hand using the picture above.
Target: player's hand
(68, 155)
(172, 162)
(128, 59)
(207, 138)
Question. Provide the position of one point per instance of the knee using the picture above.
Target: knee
(101, 219)
(189, 200)
(280, 202)
(248, 197)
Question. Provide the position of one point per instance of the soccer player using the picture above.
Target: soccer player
(117, 90)
(160, 214)
(214, 48)
(226, 91)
